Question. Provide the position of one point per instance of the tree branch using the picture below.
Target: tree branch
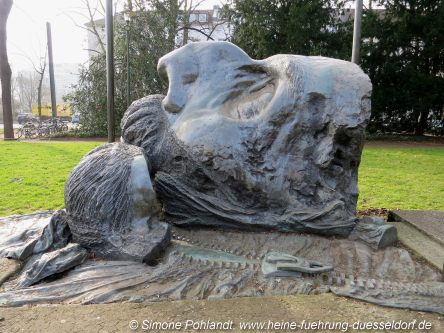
(194, 29)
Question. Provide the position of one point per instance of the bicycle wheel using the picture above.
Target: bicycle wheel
(34, 133)
(40, 132)
(30, 131)
(45, 131)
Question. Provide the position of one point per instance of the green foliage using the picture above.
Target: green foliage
(151, 33)
(264, 28)
(403, 55)
(89, 97)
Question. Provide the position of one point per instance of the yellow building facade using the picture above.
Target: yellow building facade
(63, 110)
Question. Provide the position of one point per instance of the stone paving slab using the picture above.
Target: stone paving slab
(429, 222)
(422, 245)
(421, 231)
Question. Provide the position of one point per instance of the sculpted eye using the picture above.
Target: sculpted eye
(189, 78)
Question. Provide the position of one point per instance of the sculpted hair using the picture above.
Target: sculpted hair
(98, 187)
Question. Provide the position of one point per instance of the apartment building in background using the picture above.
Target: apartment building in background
(204, 24)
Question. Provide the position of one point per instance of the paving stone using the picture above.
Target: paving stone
(429, 222)
(421, 243)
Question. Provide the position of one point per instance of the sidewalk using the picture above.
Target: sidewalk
(116, 317)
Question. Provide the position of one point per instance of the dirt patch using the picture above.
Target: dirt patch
(116, 317)
(383, 212)
(8, 267)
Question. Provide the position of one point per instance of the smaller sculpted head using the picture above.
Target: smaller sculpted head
(110, 198)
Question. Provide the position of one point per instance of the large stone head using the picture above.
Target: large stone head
(291, 112)
(218, 96)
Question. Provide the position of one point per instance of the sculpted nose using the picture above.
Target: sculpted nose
(174, 101)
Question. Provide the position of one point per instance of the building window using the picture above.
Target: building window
(202, 17)
(192, 18)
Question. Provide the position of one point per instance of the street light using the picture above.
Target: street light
(110, 69)
(357, 32)
(127, 17)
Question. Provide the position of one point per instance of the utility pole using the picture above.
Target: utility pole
(110, 69)
(128, 61)
(51, 71)
(127, 15)
(128, 68)
(357, 32)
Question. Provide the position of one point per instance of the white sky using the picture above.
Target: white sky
(27, 30)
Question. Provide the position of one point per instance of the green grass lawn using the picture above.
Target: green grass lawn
(404, 178)
(32, 176)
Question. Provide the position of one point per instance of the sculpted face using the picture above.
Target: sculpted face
(214, 89)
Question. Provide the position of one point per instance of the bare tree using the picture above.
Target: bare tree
(41, 71)
(186, 20)
(206, 28)
(92, 24)
(26, 90)
(28, 87)
(96, 11)
(5, 71)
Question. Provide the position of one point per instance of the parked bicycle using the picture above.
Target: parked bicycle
(43, 129)
(28, 131)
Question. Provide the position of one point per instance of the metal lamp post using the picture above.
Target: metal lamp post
(127, 17)
(51, 72)
(357, 32)
(110, 69)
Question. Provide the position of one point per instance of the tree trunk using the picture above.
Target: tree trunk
(39, 100)
(39, 89)
(172, 26)
(5, 72)
(186, 23)
(421, 125)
